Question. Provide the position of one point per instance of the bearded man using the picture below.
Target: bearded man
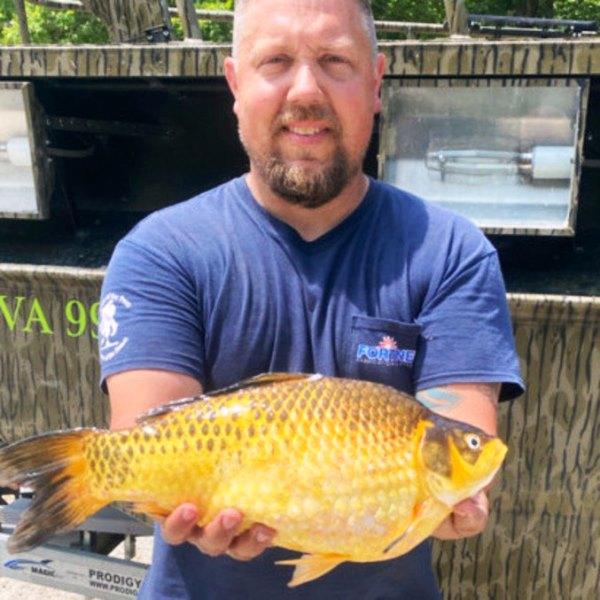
(292, 267)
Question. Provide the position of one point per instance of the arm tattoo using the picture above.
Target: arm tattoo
(440, 398)
(436, 398)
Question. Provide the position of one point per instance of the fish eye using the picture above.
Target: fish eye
(473, 441)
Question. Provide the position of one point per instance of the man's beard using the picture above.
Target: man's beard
(308, 187)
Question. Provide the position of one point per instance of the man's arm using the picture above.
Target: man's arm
(136, 391)
(476, 404)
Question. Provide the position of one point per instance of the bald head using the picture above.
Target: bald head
(363, 5)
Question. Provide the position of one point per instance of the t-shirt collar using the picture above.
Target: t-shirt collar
(282, 230)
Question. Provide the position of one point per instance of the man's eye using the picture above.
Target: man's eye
(337, 66)
(275, 60)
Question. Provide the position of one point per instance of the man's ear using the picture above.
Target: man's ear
(379, 72)
(229, 67)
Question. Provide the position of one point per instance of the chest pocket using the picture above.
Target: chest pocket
(383, 351)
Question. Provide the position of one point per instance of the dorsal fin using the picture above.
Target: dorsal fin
(262, 379)
(257, 380)
(168, 407)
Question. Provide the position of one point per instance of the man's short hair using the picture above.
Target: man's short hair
(365, 6)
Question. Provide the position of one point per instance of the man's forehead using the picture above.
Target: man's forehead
(300, 6)
(277, 22)
(340, 43)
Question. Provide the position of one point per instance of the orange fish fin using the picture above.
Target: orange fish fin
(258, 380)
(311, 566)
(150, 508)
(54, 465)
(169, 407)
(426, 517)
(262, 379)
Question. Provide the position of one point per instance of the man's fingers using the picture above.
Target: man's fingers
(219, 536)
(466, 526)
(215, 537)
(468, 518)
(476, 504)
(251, 543)
(180, 524)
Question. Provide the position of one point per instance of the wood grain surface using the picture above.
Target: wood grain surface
(409, 58)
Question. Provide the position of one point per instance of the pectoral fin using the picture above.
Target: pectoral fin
(427, 516)
(311, 566)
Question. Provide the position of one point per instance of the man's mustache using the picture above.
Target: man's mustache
(306, 113)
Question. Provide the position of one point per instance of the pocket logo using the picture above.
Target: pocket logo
(385, 353)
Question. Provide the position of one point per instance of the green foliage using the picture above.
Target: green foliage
(416, 11)
(48, 26)
(524, 8)
(577, 9)
(211, 31)
(6, 11)
(78, 27)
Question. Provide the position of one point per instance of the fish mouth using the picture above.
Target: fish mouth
(488, 463)
(466, 479)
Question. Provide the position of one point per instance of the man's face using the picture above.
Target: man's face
(306, 88)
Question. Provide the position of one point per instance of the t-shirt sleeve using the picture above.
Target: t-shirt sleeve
(149, 313)
(466, 331)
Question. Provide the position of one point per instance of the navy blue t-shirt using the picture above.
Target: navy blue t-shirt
(401, 292)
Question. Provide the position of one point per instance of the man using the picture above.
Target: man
(299, 266)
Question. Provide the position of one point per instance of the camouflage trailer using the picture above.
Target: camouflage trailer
(118, 130)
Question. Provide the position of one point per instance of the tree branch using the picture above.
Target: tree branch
(22, 18)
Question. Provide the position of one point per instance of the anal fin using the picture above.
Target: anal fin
(311, 566)
(150, 508)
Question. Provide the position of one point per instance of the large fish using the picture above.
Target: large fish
(344, 470)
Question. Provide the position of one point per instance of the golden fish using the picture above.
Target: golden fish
(343, 470)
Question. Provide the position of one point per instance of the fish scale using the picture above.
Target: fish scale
(243, 469)
(342, 469)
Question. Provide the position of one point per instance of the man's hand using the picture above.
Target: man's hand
(474, 403)
(468, 518)
(219, 536)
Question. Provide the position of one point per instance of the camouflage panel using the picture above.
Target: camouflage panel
(156, 60)
(48, 356)
(128, 20)
(458, 58)
(544, 539)
(447, 58)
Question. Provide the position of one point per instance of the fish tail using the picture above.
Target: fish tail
(54, 465)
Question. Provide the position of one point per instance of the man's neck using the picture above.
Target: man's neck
(310, 223)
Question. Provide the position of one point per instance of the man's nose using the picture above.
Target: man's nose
(305, 86)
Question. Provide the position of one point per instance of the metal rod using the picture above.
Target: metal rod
(515, 32)
(534, 22)
(405, 27)
(59, 4)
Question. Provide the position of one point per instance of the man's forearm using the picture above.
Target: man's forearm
(473, 403)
